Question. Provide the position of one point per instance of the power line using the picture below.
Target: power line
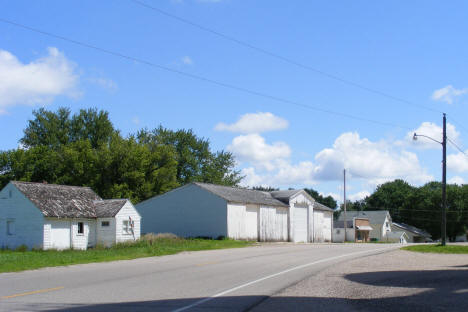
(282, 58)
(198, 77)
(458, 123)
(457, 147)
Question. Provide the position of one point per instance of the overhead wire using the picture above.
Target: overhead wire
(281, 57)
(198, 77)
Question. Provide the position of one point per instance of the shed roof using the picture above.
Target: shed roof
(374, 216)
(412, 229)
(240, 195)
(339, 224)
(319, 206)
(65, 201)
(109, 207)
(284, 195)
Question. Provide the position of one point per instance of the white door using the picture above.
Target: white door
(300, 224)
(251, 222)
(60, 234)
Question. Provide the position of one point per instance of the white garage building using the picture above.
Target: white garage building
(207, 210)
(51, 216)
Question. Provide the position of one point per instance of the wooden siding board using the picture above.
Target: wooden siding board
(128, 211)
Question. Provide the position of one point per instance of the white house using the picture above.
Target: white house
(414, 234)
(207, 210)
(380, 221)
(51, 216)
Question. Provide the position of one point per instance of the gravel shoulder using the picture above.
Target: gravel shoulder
(393, 281)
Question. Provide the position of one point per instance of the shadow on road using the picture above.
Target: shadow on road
(436, 290)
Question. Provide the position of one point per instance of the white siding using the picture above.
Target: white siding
(26, 219)
(128, 211)
(105, 235)
(301, 200)
(318, 226)
(300, 224)
(236, 221)
(273, 224)
(251, 222)
(338, 235)
(327, 226)
(58, 234)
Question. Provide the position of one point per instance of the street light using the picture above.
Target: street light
(444, 176)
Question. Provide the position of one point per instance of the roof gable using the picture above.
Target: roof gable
(108, 208)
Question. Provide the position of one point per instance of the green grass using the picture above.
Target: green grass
(14, 261)
(448, 249)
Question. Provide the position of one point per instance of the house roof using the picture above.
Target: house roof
(109, 207)
(64, 201)
(374, 216)
(412, 229)
(339, 224)
(240, 195)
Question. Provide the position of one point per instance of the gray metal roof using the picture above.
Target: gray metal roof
(108, 208)
(412, 229)
(374, 216)
(240, 195)
(396, 234)
(319, 206)
(340, 224)
(64, 201)
(285, 195)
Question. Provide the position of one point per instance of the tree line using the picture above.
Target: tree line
(420, 206)
(85, 149)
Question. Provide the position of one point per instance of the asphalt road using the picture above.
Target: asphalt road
(218, 280)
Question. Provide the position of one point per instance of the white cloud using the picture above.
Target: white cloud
(358, 196)
(458, 162)
(37, 82)
(434, 131)
(255, 123)
(104, 83)
(457, 180)
(448, 94)
(377, 161)
(253, 149)
(187, 60)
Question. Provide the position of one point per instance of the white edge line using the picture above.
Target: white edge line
(276, 274)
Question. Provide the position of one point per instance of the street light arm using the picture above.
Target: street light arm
(425, 136)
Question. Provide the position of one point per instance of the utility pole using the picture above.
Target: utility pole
(444, 182)
(344, 202)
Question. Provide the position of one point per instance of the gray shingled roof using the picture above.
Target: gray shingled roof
(108, 208)
(412, 229)
(340, 224)
(319, 206)
(285, 195)
(374, 216)
(64, 201)
(240, 195)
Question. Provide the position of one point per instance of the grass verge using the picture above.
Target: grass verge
(448, 249)
(14, 261)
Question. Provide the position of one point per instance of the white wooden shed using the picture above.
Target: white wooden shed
(208, 210)
(51, 216)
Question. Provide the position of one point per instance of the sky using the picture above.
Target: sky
(297, 91)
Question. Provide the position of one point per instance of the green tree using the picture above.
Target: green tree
(324, 200)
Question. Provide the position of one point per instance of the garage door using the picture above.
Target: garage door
(60, 234)
(300, 224)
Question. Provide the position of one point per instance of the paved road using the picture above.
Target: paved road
(228, 280)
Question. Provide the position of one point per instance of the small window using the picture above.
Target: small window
(10, 227)
(126, 227)
(80, 228)
(105, 223)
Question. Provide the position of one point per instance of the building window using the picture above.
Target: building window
(126, 227)
(105, 223)
(10, 227)
(80, 228)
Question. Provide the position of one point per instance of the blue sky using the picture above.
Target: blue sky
(411, 50)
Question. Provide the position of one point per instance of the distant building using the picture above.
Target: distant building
(208, 210)
(380, 221)
(357, 230)
(51, 216)
(414, 234)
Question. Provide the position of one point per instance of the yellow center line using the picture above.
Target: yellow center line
(207, 263)
(32, 292)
